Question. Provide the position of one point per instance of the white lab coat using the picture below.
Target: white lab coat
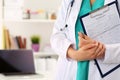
(61, 40)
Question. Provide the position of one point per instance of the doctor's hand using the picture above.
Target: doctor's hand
(87, 51)
(84, 39)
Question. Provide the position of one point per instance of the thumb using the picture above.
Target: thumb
(82, 41)
(85, 37)
(81, 38)
(88, 39)
(81, 34)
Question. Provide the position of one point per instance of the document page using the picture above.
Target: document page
(104, 26)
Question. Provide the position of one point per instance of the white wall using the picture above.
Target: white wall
(26, 29)
(42, 4)
(1, 8)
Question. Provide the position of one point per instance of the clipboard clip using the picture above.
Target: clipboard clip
(99, 11)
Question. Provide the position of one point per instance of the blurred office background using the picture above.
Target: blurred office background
(20, 20)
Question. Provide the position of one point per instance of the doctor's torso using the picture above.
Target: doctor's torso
(67, 68)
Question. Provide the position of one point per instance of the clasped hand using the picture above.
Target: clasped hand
(89, 49)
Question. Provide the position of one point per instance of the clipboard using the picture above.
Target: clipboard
(96, 16)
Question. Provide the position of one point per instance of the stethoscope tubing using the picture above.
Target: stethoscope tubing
(67, 15)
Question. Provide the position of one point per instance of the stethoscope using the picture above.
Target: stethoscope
(67, 15)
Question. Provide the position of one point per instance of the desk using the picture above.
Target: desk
(45, 76)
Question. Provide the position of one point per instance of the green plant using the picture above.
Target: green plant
(35, 39)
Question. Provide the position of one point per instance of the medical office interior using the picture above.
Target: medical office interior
(24, 22)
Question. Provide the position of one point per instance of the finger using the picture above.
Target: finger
(89, 46)
(93, 54)
(101, 53)
(79, 44)
(86, 37)
(99, 48)
(82, 41)
(81, 34)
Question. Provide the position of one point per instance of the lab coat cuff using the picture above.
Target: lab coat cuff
(68, 45)
(107, 54)
(69, 59)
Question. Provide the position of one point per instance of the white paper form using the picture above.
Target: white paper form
(104, 25)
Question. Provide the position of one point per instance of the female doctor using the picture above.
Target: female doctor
(72, 46)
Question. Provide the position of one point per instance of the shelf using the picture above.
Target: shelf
(31, 20)
(44, 54)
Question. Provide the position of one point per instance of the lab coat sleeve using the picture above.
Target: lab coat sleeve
(112, 54)
(59, 40)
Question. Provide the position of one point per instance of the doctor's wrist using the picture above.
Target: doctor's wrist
(71, 53)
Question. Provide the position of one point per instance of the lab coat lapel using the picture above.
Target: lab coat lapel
(73, 17)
